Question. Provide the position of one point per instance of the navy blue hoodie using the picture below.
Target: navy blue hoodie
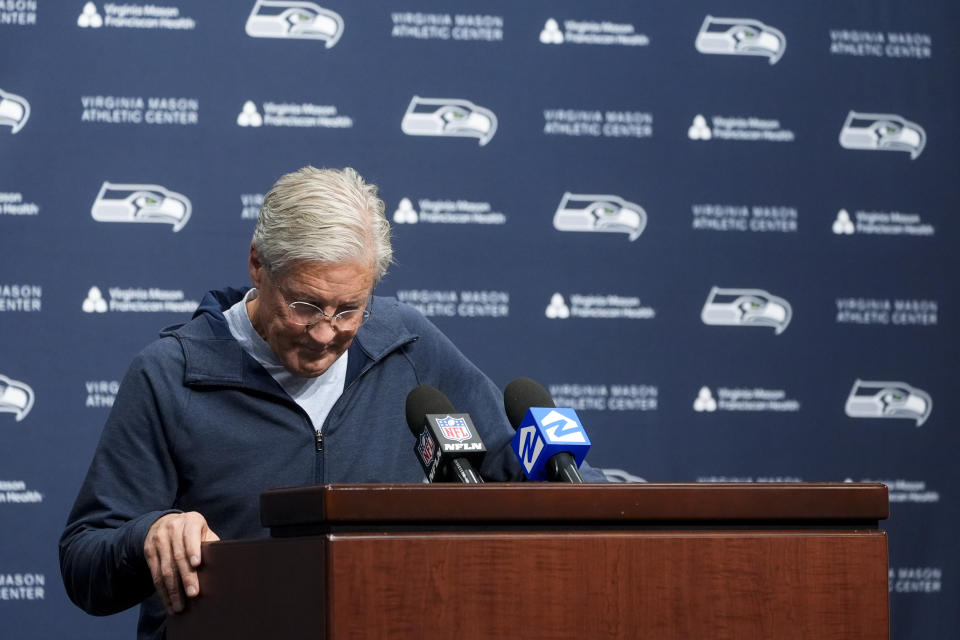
(199, 425)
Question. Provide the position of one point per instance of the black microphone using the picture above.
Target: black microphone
(448, 444)
(549, 442)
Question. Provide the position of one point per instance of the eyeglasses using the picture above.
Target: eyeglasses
(306, 314)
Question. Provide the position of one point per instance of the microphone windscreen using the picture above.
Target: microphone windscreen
(520, 395)
(423, 400)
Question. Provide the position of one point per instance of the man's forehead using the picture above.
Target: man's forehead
(325, 279)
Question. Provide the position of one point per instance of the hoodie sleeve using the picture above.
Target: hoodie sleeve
(131, 482)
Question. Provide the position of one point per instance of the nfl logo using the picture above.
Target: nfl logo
(426, 449)
(454, 428)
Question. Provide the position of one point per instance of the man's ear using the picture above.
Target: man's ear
(256, 267)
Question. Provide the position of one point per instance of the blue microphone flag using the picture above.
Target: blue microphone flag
(545, 432)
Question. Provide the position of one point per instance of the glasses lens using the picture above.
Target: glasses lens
(350, 319)
(305, 313)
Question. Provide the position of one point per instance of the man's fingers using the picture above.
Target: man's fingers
(153, 561)
(169, 576)
(172, 551)
(181, 543)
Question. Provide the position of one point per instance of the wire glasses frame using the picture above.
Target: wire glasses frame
(306, 314)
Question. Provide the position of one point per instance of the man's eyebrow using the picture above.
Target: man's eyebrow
(353, 303)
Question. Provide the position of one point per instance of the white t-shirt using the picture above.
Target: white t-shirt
(317, 395)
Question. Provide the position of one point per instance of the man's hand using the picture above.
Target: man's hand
(172, 549)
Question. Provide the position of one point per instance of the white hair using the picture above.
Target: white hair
(323, 215)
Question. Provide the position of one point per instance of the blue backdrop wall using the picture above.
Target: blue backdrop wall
(723, 231)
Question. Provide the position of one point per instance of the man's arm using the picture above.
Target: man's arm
(131, 486)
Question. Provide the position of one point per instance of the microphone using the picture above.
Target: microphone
(448, 444)
(550, 442)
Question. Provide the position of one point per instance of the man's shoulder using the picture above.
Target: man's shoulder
(395, 312)
(174, 342)
(400, 321)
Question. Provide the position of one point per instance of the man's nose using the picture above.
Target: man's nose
(322, 331)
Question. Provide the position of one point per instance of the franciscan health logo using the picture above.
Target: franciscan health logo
(14, 111)
(592, 32)
(296, 20)
(448, 117)
(293, 114)
(882, 132)
(134, 16)
(887, 223)
(750, 399)
(447, 211)
(740, 37)
(875, 399)
(15, 397)
(580, 212)
(141, 203)
(598, 306)
(138, 300)
(740, 128)
(746, 308)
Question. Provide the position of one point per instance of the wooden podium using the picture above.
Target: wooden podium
(522, 560)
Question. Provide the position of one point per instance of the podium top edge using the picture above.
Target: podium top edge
(624, 503)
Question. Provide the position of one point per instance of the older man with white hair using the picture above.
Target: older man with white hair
(301, 379)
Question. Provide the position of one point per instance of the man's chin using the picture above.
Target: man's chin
(307, 368)
(310, 371)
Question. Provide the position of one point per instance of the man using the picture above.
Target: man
(300, 380)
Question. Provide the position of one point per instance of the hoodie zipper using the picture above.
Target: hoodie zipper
(318, 436)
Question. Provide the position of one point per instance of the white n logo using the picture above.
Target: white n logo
(530, 447)
(560, 428)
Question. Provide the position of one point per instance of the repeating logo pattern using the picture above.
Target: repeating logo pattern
(605, 213)
(551, 33)
(705, 401)
(740, 37)
(876, 399)
(746, 308)
(14, 111)
(15, 397)
(405, 213)
(90, 17)
(577, 100)
(141, 203)
(94, 302)
(249, 116)
(699, 130)
(448, 118)
(295, 20)
(843, 225)
(882, 132)
(557, 309)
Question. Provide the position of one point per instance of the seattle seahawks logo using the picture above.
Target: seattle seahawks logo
(295, 20)
(746, 308)
(740, 37)
(141, 203)
(14, 111)
(15, 397)
(449, 118)
(882, 132)
(579, 212)
(873, 399)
